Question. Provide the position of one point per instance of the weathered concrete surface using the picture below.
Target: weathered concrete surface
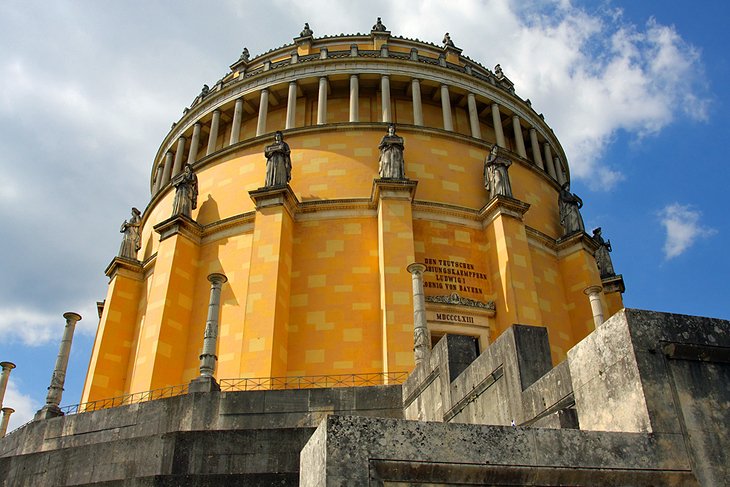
(639, 372)
(662, 373)
(349, 450)
(251, 438)
(649, 392)
(487, 389)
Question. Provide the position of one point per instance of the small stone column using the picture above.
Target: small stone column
(194, 143)
(236, 123)
(536, 149)
(322, 101)
(354, 98)
(417, 107)
(594, 295)
(55, 390)
(385, 98)
(476, 130)
(213, 137)
(6, 419)
(206, 382)
(263, 112)
(518, 136)
(291, 106)
(179, 155)
(446, 108)
(158, 179)
(421, 335)
(559, 171)
(549, 164)
(4, 376)
(497, 121)
(167, 171)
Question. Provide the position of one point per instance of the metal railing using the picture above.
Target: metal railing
(248, 384)
(126, 399)
(313, 381)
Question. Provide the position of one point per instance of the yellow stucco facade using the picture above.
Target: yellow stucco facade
(317, 281)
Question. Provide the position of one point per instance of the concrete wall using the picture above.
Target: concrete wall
(641, 401)
(370, 451)
(660, 375)
(195, 439)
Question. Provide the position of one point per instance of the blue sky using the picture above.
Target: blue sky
(637, 93)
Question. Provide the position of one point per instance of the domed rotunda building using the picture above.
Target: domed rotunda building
(314, 229)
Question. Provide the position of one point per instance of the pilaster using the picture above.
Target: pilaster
(163, 334)
(510, 263)
(395, 252)
(578, 270)
(109, 362)
(265, 334)
(613, 288)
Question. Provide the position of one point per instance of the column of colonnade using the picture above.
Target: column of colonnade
(542, 153)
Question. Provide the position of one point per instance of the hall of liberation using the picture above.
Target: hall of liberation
(316, 268)
(361, 264)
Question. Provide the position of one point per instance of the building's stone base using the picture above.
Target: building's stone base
(349, 450)
(643, 400)
(201, 439)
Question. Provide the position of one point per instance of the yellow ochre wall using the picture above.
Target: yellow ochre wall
(325, 291)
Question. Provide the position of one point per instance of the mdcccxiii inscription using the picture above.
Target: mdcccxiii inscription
(454, 318)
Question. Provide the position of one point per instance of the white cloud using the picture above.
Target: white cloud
(34, 328)
(682, 224)
(594, 74)
(25, 407)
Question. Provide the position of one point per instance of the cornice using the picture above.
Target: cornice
(426, 210)
(277, 196)
(179, 225)
(503, 205)
(541, 239)
(574, 242)
(399, 189)
(121, 266)
(613, 284)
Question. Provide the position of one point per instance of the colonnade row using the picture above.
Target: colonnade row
(542, 154)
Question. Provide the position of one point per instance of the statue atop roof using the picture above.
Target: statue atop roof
(498, 72)
(447, 41)
(379, 27)
(245, 56)
(306, 32)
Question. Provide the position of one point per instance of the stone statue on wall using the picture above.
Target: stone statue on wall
(204, 91)
(496, 177)
(379, 27)
(186, 192)
(447, 40)
(245, 56)
(498, 72)
(570, 205)
(603, 258)
(278, 162)
(306, 32)
(131, 239)
(392, 165)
